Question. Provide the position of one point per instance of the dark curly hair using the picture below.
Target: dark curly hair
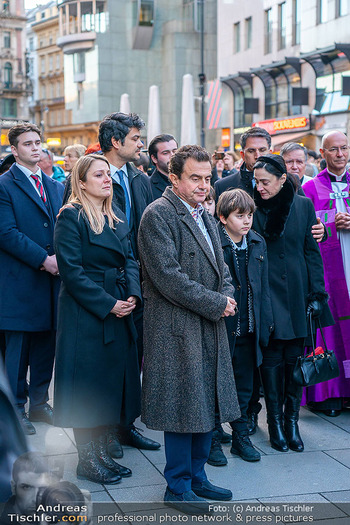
(117, 126)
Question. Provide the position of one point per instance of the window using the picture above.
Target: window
(341, 8)
(7, 39)
(282, 25)
(268, 31)
(43, 92)
(79, 63)
(58, 89)
(9, 107)
(58, 62)
(8, 75)
(322, 11)
(31, 44)
(248, 32)
(42, 65)
(296, 22)
(50, 62)
(52, 90)
(237, 37)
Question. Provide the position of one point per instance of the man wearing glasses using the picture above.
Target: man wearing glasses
(329, 191)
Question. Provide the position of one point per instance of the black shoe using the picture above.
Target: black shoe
(43, 413)
(225, 438)
(28, 428)
(115, 450)
(242, 446)
(252, 422)
(331, 412)
(278, 438)
(210, 491)
(90, 468)
(292, 434)
(105, 459)
(133, 438)
(216, 456)
(187, 502)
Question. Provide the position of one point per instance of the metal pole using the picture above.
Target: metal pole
(201, 75)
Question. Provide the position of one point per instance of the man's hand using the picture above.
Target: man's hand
(231, 307)
(122, 308)
(342, 221)
(50, 265)
(318, 230)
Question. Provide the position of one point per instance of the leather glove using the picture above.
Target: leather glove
(315, 308)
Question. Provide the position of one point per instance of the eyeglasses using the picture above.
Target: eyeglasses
(342, 149)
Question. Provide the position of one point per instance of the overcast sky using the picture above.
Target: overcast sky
(28, 4)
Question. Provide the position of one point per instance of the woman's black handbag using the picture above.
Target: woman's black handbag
(321, 365)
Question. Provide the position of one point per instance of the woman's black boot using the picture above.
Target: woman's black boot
(273, 382)
(106, 460)
(291, 411)
(89, 466)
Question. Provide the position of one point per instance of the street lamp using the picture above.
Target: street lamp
(201, 75)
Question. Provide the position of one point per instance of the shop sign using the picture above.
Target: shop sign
(285, 125)
(225, 137)
(53, 142)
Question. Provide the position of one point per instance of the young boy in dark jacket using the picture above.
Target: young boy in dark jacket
(249, 330)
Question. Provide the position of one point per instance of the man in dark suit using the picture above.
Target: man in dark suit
(120, 141)
(29, 204)
(160, 150)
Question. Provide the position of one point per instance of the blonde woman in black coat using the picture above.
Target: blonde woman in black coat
(297, 286)
(97, 376)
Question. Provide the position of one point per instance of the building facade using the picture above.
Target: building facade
(285, 65)
(14, 85)
(112, 47)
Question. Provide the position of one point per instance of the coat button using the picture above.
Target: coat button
(191, 254)
(284, 276)
(48, 246)
(233, 333)
(238, 287)
(45, 225)
(281, 255)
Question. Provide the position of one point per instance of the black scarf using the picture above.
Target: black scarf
(276, 210)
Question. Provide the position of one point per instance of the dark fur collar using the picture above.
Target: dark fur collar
(276, 210)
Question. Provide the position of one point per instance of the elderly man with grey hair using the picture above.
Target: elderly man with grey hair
(295, 157)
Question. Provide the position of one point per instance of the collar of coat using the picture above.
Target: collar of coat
(252, 237)
(246, 176)
(276, 209)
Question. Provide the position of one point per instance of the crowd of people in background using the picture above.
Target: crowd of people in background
(197, 269)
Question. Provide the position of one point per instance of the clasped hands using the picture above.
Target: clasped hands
(342, 221)
(231, 307)
(124, 308)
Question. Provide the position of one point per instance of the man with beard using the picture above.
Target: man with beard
(160, 150)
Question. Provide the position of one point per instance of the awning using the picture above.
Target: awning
(277, 140)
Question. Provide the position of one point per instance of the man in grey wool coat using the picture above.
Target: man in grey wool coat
(187, 364)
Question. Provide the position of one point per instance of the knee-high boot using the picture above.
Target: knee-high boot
(293, 395)
(273, 383)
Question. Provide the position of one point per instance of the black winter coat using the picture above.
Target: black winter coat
(158, 184)
(96, 357)
(258, 278)
(296, 273)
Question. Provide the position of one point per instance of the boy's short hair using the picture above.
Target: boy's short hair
(211, 195)
(233, 200)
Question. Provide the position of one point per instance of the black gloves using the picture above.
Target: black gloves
(315, 308)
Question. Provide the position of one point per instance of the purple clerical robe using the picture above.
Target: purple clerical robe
(319, 190)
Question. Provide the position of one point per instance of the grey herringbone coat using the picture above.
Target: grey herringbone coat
(186, 355)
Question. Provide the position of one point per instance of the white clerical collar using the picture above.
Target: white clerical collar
(338, 178)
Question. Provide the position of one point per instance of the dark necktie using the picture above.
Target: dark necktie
(40, 188)
(126, 194)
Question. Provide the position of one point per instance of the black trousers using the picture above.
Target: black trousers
(282, 351)
(244, 367)
(35, 350)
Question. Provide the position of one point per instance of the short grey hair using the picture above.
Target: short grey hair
(292, 146)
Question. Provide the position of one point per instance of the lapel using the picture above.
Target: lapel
(51, 189)
(23, 183)
(198, 236)
(226, 246)
(110, 239)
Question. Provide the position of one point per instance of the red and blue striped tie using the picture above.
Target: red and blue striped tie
(40, 188)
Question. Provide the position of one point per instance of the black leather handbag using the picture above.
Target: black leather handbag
(321, 365)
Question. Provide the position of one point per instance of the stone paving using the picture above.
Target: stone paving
(321, 474)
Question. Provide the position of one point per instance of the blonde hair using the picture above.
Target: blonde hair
(78, 149)
(95, 217)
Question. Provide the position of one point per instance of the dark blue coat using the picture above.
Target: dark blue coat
(258, 278)
(28, 295)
